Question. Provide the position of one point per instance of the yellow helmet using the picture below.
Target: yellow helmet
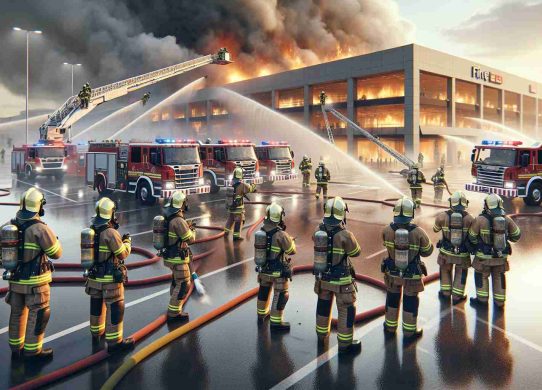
(458, 201)
(274, 212)
(177, 200)
(493, 203)
(416, 166)
(238, 173)
(403, 211)
(335, 210)
(105, 211)
(31, 203)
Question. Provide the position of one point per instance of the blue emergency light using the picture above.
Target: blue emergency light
(501, 143)
(164, 141)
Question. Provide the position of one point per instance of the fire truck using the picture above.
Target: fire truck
(150, 170)
(220, 159)
(276, 161)
(509, 169)
(47, 158)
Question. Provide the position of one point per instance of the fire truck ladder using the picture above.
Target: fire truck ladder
(71, 111)
(328, 128)
(394, 153)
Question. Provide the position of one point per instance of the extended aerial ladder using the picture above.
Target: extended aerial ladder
(71, 111)
(394, 153)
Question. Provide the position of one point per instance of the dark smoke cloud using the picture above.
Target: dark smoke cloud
(117, 39)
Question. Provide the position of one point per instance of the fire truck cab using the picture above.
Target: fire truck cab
(509, 169)
(276, 161)
(150, 170)
(221, 158)
(46, 157)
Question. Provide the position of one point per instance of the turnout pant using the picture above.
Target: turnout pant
(439, 191)
(321, 188)
(411, 288)
(235, 222)
(180, 284)
(416, 193)
(453, 286)
(346, 307)
(496, 268)
(106, 310)
(280, 296)
(29, 316)
(306, 179)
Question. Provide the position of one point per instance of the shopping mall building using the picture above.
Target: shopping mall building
(412, 97)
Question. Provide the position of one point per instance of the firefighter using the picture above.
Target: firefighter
(454, 225)
(305, 166)
(490, 235)
(322, 176)
(415, 179)
(403, 269)
(235, 197)
(323, 98)
(177, 255)
(106, 278)
(145, 98)
(439, 184)
(334, 245)
(272, 246)
(28, 272)
(420, 159)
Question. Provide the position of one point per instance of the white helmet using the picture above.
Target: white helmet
(403, 211)
(274, 212)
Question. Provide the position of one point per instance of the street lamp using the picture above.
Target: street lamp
(27, 47)
(72, 66)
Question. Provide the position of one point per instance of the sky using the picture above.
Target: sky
(505, 34)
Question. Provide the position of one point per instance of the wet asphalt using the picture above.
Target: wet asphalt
(462, 347)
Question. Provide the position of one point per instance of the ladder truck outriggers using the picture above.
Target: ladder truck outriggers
(56, 131)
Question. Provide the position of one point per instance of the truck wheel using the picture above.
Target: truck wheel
(29, 173)
(534, 197)
(101, 186)
(144, 194)
(210, 181)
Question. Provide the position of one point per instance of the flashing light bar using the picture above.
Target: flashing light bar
(234, 141)
(174, 141)
(501, 143)
(274, 143)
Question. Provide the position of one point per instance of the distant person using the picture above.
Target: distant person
(3, 154)
(420, 159)
(322, 177)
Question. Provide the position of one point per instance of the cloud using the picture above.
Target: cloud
(513, 28)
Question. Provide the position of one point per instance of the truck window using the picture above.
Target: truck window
(32, 153)
(219, 154)
(540, 156)
(156, 156)
(282, 152)
(526, 153)
(145, 155)
(136, 154)
(202, 154)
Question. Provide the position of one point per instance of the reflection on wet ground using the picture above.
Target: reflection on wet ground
(462, 347)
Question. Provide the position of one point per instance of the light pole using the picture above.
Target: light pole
(27, 49)
(72, 66)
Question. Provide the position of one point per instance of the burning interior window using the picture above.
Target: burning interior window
(467, 104)
(218, 109)
(529, 114)
(197, 109)
(381, 86)
(264, 98)
(433, 100)
(336, 92)
(374, 117)
(512, 113)
(291, 98)
(492, 104)
(318, 123)
(433, 87)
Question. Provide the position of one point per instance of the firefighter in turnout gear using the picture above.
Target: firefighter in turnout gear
(106, 278)
(27, 243)
(403, 269)
(145, 98)
(439, 184)
(177, 255)
(453, 251)
(272, 246)
(334, 245)
(305, 166)
(322, 176)
(490, 235)
(415, 179)
(235, 203)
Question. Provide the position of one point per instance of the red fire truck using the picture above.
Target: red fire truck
(509, 169)
(276, 161)
(150, 170)
(47, 157)
(220, 159)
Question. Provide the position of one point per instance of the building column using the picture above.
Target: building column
(412, 108)
(521, 112)
(481, 100)
(351, 91)
(209, 114)
(451, 102)
(307, 101)
(187, 116)
(274, 98)
(501, 95)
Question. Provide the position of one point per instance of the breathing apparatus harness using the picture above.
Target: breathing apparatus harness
(109, 266)
(174, 249)
(446, 243)
(489, 249)
(415, 267)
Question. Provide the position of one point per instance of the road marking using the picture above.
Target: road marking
(85, 324)
(376, 254)
(188, 219)
(44, 190)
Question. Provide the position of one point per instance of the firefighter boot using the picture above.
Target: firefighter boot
(353, 348)
(181, 317)
(125, 345)
(45, 354)
(474, 301)
(281, 326)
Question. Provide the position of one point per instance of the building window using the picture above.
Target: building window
(155, 116)
(386, 116)
(136, 154)
(371, 154)
(264, 98)
(218, 109)
(433, 149)
(529, 114)
(165, 116)
(467, 104)
(512, 103)
(433, 87)
(289, 98)
(336, 92)
(197, 109)
(492, 104)
(381, 86)
(433, 116)
(179, 111)
(317, 120)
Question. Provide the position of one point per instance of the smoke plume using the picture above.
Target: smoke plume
(114, 40)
